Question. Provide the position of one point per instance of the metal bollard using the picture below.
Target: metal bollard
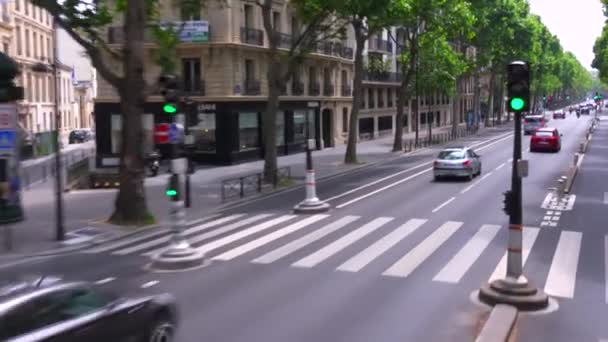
(581, 147)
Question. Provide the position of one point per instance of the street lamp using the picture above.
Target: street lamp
(59, 214)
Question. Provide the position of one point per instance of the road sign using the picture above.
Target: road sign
(161, 133)
(8, 141)
(175, 133)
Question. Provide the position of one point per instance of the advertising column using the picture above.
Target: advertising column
(10, 183)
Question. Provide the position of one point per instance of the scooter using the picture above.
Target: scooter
(154, 163)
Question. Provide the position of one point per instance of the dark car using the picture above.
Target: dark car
(559, 114)
(49, 309)
(79, 136)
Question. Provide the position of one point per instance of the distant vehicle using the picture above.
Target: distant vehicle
(559, 114)
(457, 162)
(79, 136)
(46, 309)
(533, 122)
(546, 139)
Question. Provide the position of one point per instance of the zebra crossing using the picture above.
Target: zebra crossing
(276, 237)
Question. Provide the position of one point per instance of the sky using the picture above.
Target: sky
(577, 23)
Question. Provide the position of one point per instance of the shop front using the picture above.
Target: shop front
(221, 133)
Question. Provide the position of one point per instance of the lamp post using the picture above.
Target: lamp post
(44, 68)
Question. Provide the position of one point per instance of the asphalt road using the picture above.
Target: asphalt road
(397, 259)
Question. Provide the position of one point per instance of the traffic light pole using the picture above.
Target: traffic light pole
(514, 250)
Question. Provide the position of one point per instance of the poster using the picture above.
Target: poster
(192, 31)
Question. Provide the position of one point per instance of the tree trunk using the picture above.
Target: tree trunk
(477, 96)
(351, 148)
(456, 106)
(490, 116)
(429, 120)
(130, 206)
(405, 82)
(501, 99)
(273, 77)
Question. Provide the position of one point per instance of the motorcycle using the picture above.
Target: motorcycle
(154, 163)
(578, 114)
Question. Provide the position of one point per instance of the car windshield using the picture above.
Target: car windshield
(543, 133)
(450, 155)
(532, 119)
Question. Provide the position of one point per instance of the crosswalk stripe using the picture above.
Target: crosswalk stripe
(422, 251)
(142, 237)
(562, 274)
(216, 232)
(362, 259)
(338, 245)
(455, 269)
(529, 237)
(304, 241)
(606, 265)
(248, 247)
(244, 233)
(167, 238)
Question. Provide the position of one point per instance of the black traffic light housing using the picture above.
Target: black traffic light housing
(170, 90)
(518, 86)
(508, 202)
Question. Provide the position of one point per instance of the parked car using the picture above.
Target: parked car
(46, 308)
(546, 139)
(533, 122)
(559, 114)
(457, 162)
(79, 136)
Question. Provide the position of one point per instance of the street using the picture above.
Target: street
(398, 258)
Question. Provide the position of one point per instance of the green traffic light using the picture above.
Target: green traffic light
(517, 103)
(169, 108)
(171, 192)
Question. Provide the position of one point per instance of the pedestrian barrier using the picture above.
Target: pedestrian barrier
(243, 186)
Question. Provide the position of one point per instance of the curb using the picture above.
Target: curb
(499, 325)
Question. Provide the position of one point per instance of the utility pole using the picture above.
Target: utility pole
(59, 219)
(514, 289)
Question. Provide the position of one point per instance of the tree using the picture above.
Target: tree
(86, 22)
(319, 25)
(366, 18)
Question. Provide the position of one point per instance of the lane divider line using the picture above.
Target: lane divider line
(105, 280)
(443, 205)
(500, 166)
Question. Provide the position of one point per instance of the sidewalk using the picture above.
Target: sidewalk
(90, 208)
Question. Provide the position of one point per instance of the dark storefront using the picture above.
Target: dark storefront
(223, 132)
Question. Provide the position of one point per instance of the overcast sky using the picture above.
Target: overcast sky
(577, 23)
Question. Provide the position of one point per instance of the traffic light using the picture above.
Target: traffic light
(508, 202)
(597, 96)
(170, 91)
(545, 98)
(172, 190)
(518, 86)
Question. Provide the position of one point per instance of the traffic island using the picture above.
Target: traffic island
(178, 258)
(517, 293)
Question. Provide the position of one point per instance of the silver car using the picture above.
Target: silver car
(533, 122)
(457, 162)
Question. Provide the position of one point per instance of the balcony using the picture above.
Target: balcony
(389, 77)
(314, 89)
(252, 87)
(380, 45)
(283, 89)
(336, 49)
(347, 91)
(252, 36)
(328, 89)
(297, 88)
(194, 88)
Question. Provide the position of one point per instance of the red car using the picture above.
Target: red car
(559, 115)
(546, 139)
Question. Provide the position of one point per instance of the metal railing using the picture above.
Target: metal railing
(328, 89)
(375, 76)
(252, 36)
(297, 88)
(252, 87)
(241, 187)
(380, 45)
(347, 90)
(196, 88)
(314, 89)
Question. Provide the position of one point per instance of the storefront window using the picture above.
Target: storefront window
(299, 125)
(248, 131)
(204, 133)
(280, 139)
(116, 123)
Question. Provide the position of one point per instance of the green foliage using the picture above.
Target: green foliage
(439, 65)
(378, 66)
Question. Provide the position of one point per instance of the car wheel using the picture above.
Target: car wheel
(479, 171)
(161, 331)
(470, 176)
(436, 178)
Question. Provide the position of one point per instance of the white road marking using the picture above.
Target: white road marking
(149, 284)
(295, 245)
(606, 265)
(529, 237)
(510, 160)
(443, 204)
(499, 139)
(248, 247)
(562, 274)
(477, 182)
(605, 197)
(359, 261)
(338, 245)
(244, 233)
(500, 166)
(105, 280)
(216, 232)
(455, 269)
(407, 264)
(167, 238)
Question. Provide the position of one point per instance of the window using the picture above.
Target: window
(18, 39)
(344, 120)
(299, 125)
(50, 89)
(294, 27)
(370, 98)
(385, 123)
(249, 137)
(48, 48)
(248, 16)
(39, 97)
(27, 43)
(29, 85)
(380, 98)
(26, 6)
(204, 133)
(18, 5)
(5, 47)
(389, 96)
(249, 70)
(42, 47)
(116, 125)
(276, 21)
(35, 41)
(191, 74)
(190, 10)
